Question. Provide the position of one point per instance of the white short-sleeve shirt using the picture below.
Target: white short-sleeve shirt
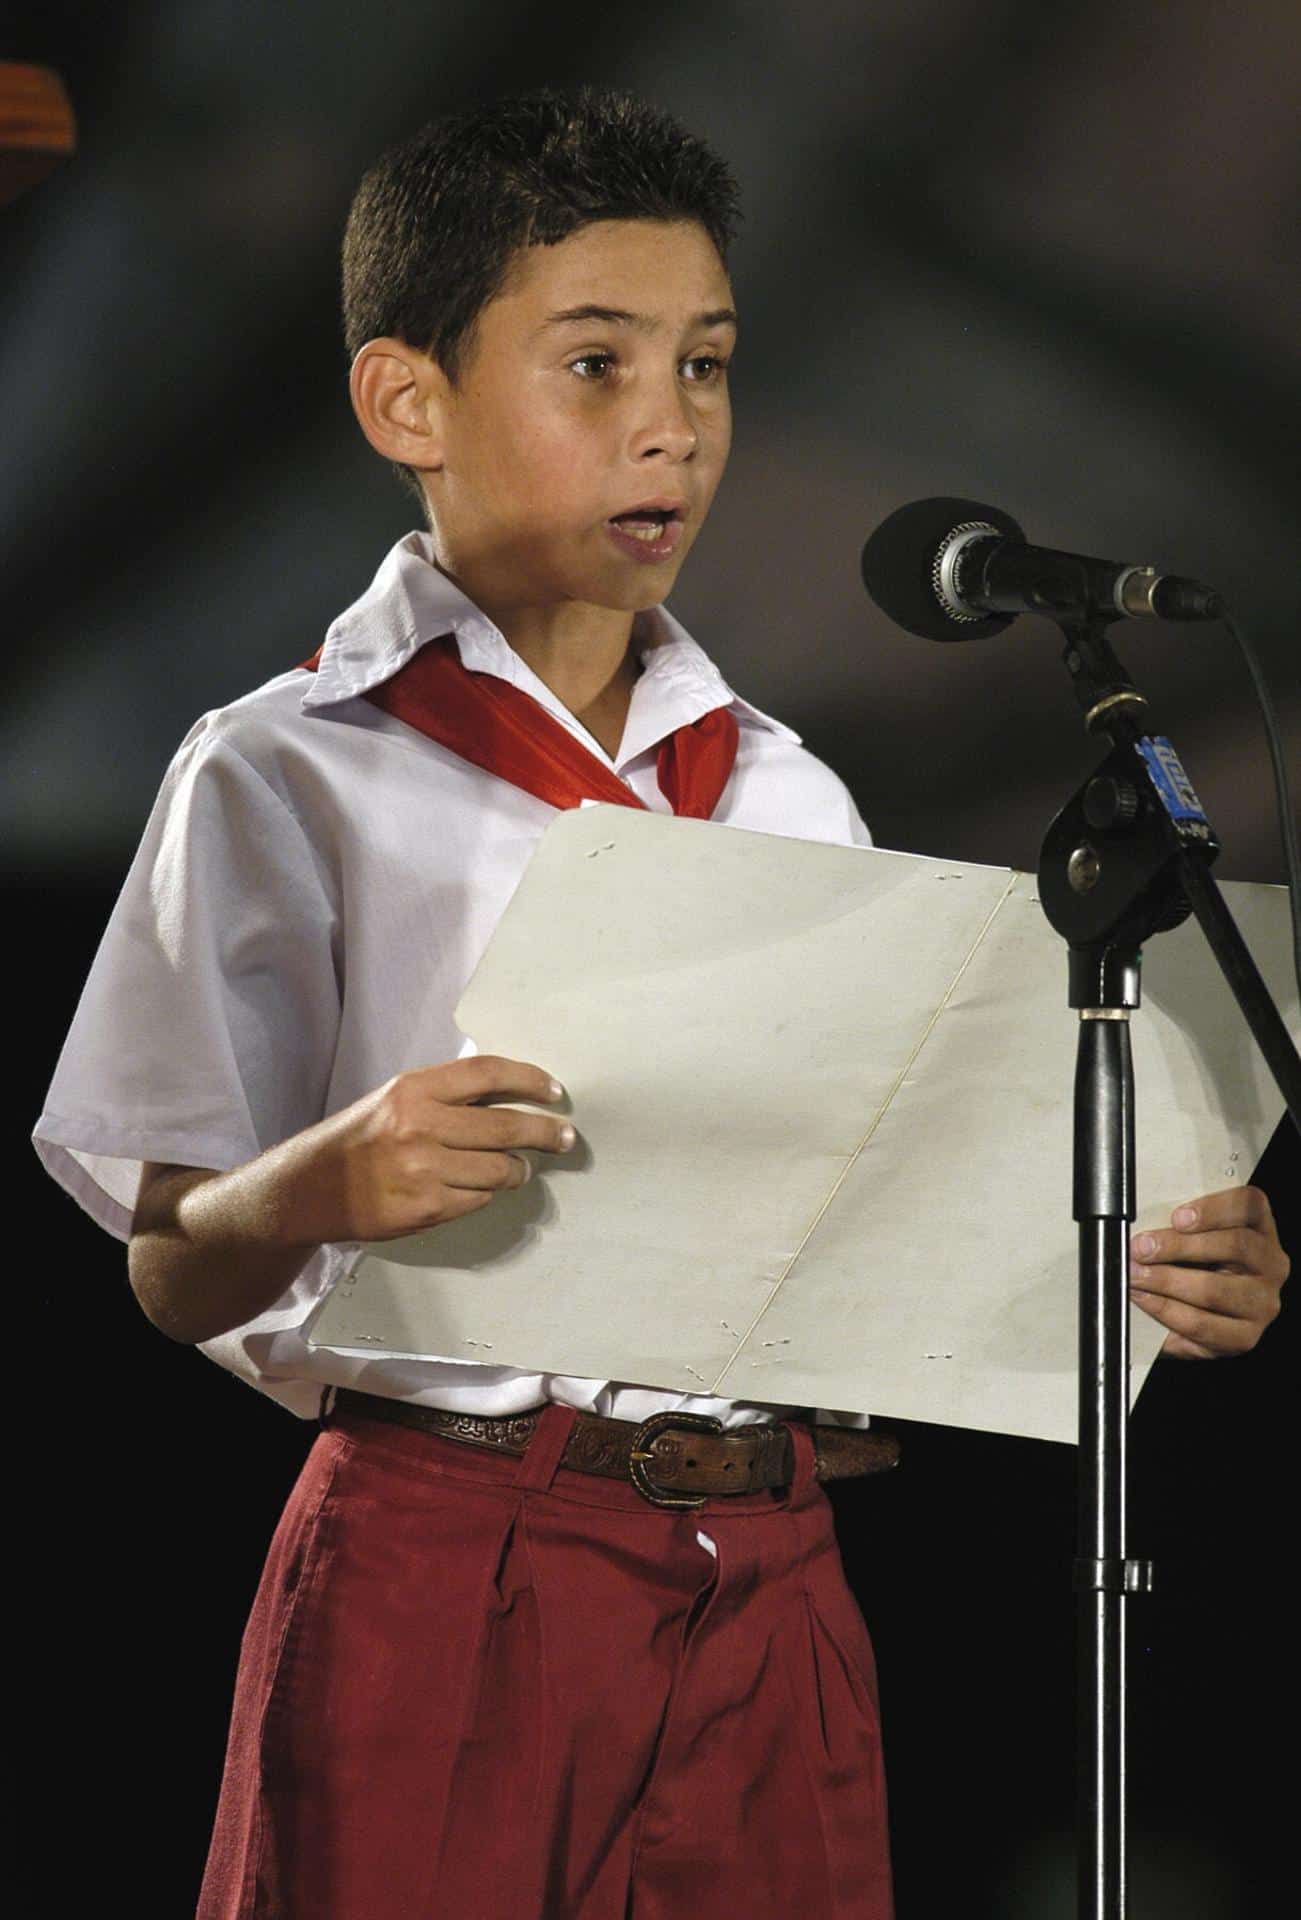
(313, 890)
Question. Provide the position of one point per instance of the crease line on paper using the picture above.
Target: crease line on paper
(880, 1114)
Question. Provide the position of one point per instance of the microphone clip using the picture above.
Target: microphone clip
(1109, 867)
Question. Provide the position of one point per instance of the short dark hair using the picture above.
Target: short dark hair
(438, 219)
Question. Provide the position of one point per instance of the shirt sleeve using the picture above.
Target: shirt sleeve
(207, 1026)
(859, 836)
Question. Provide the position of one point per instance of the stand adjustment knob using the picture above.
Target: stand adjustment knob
(1113, 1576)
(1110, 802)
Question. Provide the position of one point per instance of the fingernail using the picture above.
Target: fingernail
(1144, 1246)
(556, 1091)
(1185, 1216)
(527, 1166)
(567, 1136)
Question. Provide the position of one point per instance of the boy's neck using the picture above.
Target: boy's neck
(597, 694)
(584, 654)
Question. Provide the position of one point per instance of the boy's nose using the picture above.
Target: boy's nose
(668, 429)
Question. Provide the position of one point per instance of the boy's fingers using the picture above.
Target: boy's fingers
(1176, 1346)
(1233, 1207)
(455, 1202)
(1212, 1333)
(1231, 1246)
(1233, 1294)
(1214, 1277)
(487, 1076)
(503, 1127)
(483, 1171)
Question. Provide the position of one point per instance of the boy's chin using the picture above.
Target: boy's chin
(648, 594)
(633, 588)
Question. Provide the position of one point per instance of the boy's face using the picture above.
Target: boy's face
(559, 424)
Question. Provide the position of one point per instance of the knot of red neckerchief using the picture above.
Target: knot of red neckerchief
(498, 727)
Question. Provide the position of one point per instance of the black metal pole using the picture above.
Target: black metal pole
(1104, 1208)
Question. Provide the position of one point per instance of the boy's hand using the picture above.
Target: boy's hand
(1216, 1279)
(417, 1151)
(210, 1251)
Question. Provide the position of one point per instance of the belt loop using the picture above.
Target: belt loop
(804, 1478)
(550, 1438)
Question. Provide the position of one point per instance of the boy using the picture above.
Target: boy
(518, 1647)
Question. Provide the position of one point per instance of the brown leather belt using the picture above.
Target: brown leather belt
(673, 1459)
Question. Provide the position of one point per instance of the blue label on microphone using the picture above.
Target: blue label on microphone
(1174, 788)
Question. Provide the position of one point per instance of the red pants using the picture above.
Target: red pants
(486, 1687)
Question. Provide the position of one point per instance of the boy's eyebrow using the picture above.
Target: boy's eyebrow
(619, 317)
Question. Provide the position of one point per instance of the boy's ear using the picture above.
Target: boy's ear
(397, 395)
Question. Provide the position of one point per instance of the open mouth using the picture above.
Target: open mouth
(647, 533)
(647, 523)
(650, 532)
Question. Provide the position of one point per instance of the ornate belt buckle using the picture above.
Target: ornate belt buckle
(641, 1454)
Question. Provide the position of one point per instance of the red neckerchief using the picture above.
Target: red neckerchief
(494, 725)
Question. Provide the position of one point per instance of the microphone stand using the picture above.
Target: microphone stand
(1128, 856)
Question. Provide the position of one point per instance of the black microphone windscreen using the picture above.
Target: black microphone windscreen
(898, 559)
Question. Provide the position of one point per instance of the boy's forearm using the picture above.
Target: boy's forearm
(206, 1253)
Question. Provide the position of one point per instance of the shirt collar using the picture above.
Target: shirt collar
(410, 601)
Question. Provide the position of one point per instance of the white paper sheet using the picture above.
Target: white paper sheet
(823, 1097)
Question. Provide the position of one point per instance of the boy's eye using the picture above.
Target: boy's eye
(595, 366)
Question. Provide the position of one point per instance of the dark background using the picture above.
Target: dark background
(1041, 255)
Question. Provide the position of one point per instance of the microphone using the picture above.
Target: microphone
(957, 570)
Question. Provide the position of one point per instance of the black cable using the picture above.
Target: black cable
(1286, 818)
